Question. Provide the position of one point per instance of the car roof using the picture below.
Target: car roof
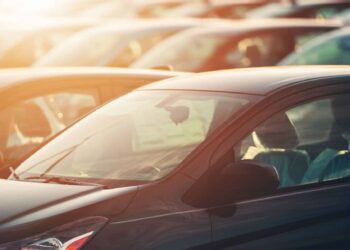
(254, 81)
(11, 77)
(276, 9)
(268, 23)
(134, 25)
(39, 24)
(239, 2)
(319, 2)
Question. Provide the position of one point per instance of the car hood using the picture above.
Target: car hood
(29, 208)
(18, 197)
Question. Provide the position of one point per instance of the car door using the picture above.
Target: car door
(308, 211)
(32, 112)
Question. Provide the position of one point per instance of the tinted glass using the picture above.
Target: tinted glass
(306, 144)
(140, 137)
(331, 51)
(195, 52)
(28, 123)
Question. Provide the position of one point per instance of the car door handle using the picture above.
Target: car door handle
(224, 211)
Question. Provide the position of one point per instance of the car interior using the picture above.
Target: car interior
(257, 49)
(306, 144)
(291, 164)
(25, 122)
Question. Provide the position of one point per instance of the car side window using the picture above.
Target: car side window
(333, 51)
(327, 12)
(28, 123)
(267, 48)
(253, 51)
(306, 144)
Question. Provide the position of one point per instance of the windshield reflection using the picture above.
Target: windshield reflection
(140, 137)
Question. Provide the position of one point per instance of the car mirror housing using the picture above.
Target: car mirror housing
(246, 180)
(236, 182)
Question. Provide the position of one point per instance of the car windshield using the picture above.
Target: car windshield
(24, 48)
(103, 49)
(183, 52)
(82, 50)
(140, 137)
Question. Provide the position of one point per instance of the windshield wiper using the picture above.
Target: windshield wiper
(61, 180)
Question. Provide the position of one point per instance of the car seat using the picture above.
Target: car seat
(340, 166)
(279, 137)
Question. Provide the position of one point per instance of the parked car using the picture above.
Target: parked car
(21, 43)
(331, 48)
(300, 9)
(61, 8)
(234, 9)
(110, 9)
(155, 8)
(235, 45)
(210, 161)
(37, 104)
(116, 44)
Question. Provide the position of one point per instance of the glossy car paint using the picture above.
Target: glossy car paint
(159, 216)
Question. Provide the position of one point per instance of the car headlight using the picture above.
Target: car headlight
(71, 236)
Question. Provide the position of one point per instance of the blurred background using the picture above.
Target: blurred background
(131, 36)
(184, 35)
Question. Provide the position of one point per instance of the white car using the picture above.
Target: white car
(117, 44)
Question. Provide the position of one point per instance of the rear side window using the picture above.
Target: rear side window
(268, 48)
(328, 12)
(309, 116)
(305, 144)
(334, 51)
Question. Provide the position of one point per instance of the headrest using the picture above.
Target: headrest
(278, 132)
(341, 112)
(31, 120)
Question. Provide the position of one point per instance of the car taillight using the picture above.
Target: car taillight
(71, 236)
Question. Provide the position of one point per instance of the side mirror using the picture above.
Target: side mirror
(236, 182)
(245, 180)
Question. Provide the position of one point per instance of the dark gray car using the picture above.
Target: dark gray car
(243, 159)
